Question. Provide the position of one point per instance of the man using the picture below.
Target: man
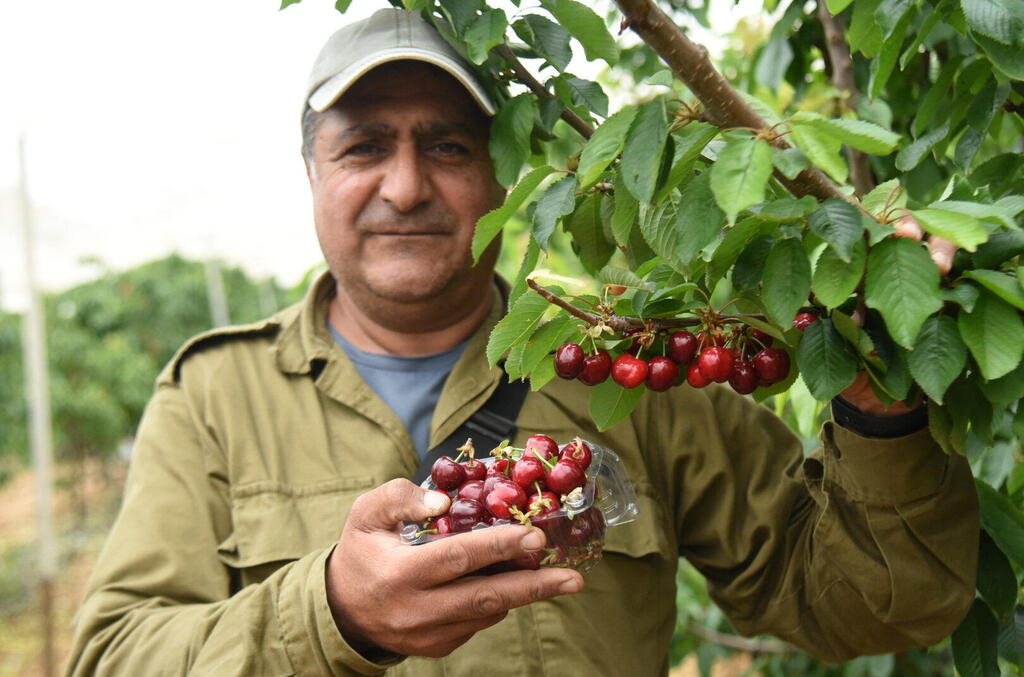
(263, 443)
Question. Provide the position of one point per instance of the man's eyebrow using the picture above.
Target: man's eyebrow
(377, 129)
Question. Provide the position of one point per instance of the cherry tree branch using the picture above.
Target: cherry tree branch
(724, 105)
(839, 57)
(526, 77)
(623, 323)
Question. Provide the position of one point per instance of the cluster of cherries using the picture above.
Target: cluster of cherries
(745, 360)
(537, 485)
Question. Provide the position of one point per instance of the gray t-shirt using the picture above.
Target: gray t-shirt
(411, 386)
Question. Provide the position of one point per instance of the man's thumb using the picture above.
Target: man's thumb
(396, 501)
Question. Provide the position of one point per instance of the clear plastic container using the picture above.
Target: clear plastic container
(575, 529)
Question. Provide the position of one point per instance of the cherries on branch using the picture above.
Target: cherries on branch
(744, 358)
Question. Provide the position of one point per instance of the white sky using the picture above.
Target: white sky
(154, 127)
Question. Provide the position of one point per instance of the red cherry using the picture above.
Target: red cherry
(475, 470)
(528, 470)
(443, 525)
(772, 365)
(744, 378)
(565, 476)
(762, 339)
(694, 377)
(546, 503)
(530, 560)
(628, 371)
(447, 474)
(596, 367)
(715, 363)
(682, 346)
(569, 360)
(503, 497)
(803, 320)
(662, 374)
(578, 452)
(472, 489)
(542, 446)
(466, 513)
(502, 467)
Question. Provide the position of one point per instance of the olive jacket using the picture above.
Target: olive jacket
(259, 438)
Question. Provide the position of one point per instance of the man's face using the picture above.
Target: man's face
(400, 175)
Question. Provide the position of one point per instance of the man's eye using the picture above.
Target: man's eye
(450, 148)
(363, 150)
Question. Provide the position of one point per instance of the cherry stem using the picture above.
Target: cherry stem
(621, 323)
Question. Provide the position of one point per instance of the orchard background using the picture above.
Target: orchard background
(664, 192)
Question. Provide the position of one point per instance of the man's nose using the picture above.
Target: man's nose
(406, 182)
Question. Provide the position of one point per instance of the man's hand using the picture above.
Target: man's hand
(418, 600)
(942, 250)
(860, 395)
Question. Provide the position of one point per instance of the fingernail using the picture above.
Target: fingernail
(569, 586)
(533, 541)
(944, 261)
(435, 501)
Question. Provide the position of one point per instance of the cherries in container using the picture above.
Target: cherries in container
(573, 492)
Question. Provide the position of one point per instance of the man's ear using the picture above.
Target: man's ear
(309, 169)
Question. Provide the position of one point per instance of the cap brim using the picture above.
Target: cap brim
(327, 94)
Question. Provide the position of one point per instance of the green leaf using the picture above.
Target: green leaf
(558, 200)
(485, 32)
(510, 137)
(518, 325)
(822, 149)
(911, 156)
(1007, 389)
(341, 5)
(740, 175)
(549, 40)
(994, 333)
(882, 66)
(641, 155)
(604, 146)
(825, 362)
(530, 259)
(837, 6)
(698, 222)
(1000, 20)
(995, 213)
(938, 356)
(787, 208)
(625, 213)
(285, 3)
(689, 142)
(610, 403)
(749, 268)
(588, 234)
(787, 281)
(723, 254)
(1011, 637)
(1005, 58)
(1002, 285)
(587, 27)
(1002, 520)
(840, 224)
(857, 338)
(834, 279)
(587, 93)
(964, 295)
(937, 95)
(902, 284)
(789, 161)
(543, 374)
(885, 196)
(974, 643)
(996, 581)
(546, 339)
(865, 136)
(864, 35)
(491, 223)
(963, 230)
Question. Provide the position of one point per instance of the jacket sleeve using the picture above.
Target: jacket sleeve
(160, 600)
(866, 546)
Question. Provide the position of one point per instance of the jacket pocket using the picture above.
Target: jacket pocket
(648, 534)
(273, 523)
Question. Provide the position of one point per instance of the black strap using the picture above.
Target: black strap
(489, 425)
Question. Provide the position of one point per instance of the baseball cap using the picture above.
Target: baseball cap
(389, 34)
